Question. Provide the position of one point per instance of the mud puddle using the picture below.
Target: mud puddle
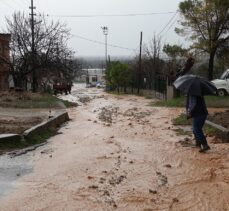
(11, 169)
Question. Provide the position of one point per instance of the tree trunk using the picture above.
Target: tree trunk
(211, 65)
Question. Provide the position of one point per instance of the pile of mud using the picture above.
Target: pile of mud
(220, 118)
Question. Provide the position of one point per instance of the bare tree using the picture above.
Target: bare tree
(152, 62)
(51, 59)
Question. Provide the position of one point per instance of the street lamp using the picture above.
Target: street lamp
(105, 32)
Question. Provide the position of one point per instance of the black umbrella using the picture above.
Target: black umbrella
(195, 85)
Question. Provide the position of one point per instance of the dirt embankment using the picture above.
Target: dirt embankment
(15, 120)
(221, 118)
(118, 153)
(22, 110)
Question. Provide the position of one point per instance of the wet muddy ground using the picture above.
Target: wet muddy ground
(118, 153)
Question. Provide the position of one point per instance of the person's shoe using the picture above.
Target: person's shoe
(204, 148)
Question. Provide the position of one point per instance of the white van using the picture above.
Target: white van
(222, 84)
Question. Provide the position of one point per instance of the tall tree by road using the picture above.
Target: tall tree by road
(118, 75)
(53, 57)
(206, 23)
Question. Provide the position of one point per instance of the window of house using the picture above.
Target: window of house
(94, 78)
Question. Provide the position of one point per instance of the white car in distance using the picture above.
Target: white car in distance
(222, 84)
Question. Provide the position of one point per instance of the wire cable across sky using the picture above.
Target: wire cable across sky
(167, 24)
(102, 43)
(112, 15)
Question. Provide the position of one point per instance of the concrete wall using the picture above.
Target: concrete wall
(170, 92)
(53, 122)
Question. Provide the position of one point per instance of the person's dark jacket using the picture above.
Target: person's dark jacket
(196, 106)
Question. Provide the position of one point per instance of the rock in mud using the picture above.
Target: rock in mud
(168, 166)
(152, 191)
(175, 200)
(90, 177)
(93, 187)
(163, 180)
(116, 180)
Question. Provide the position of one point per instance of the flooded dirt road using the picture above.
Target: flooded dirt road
(118, 153)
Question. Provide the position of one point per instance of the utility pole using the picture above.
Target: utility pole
(34, 81)
(140, 64)
(105, 32)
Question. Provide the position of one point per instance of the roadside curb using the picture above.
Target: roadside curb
(9, 138)
(224, 131)
(53, 122)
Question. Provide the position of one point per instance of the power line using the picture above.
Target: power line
(170, 20)
(112, 15)
(102, 43)
(171, 25)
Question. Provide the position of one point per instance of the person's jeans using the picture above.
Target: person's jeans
(198, 123)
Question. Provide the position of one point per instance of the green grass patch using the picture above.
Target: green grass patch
(211, 131)
(217, 102)
(11, 145)
(182, 120)
(182, 132)
(40, 138)
(148, 97)
(175, 102)
(33, 100)
(211, 101)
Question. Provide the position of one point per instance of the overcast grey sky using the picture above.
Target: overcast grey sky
(124, 31)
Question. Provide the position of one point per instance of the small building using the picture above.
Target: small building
(95, 75)
(4, 61)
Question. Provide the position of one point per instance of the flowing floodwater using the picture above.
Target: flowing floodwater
(11, 169)
(120, 153)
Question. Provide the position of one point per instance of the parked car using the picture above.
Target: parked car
(100, 84)
(222, 84)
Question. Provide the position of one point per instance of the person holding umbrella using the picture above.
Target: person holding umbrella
(196, 87)
(196, 109)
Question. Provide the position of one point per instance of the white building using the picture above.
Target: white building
(94, 76)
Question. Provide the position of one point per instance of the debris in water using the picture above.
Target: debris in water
(152, 191)
(168, 166)
(93, 187)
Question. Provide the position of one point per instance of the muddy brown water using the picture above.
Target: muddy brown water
(118, 153)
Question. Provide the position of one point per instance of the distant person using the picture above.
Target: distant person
(187, 66)
(196, 109)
